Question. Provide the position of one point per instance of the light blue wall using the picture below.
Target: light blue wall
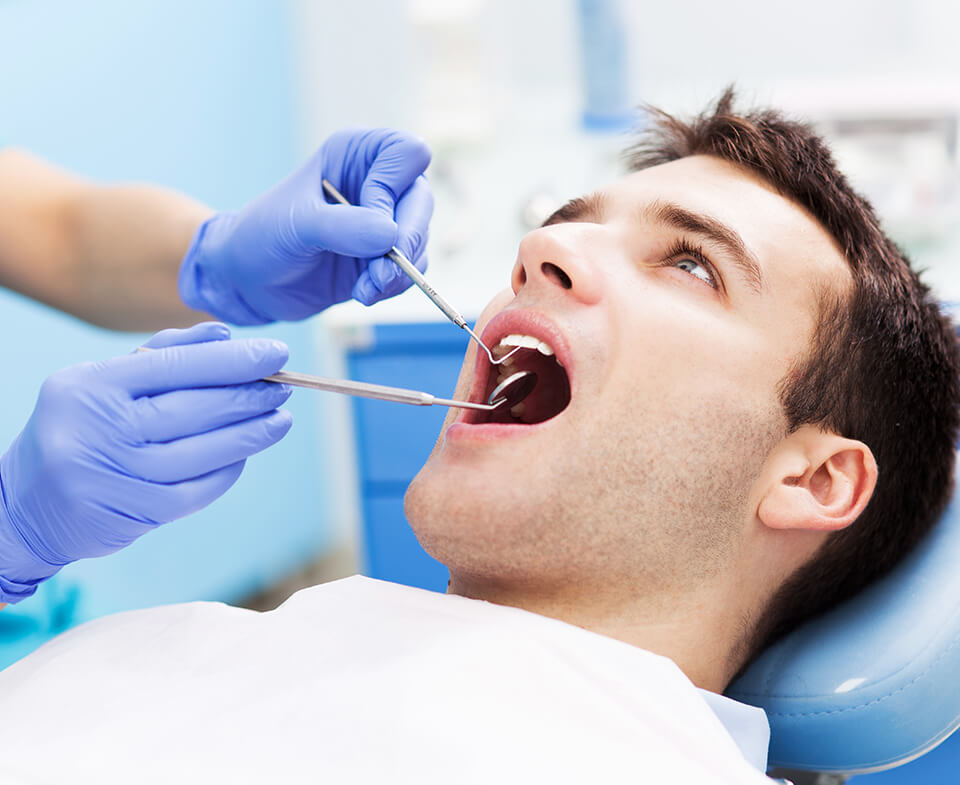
(197, 95)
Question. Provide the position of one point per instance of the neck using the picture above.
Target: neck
(699, 630)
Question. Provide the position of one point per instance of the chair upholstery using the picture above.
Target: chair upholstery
(874, 683)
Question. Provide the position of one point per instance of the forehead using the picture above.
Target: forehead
(797, 255)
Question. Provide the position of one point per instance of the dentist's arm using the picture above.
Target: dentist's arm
(109, 255)
(139, 257)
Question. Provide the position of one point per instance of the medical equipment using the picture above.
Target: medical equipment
(417, 277)
(508, 393)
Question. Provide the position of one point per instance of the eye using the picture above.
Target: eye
(697, 270)
(692, 260)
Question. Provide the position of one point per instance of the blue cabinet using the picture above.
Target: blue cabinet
(394, 440)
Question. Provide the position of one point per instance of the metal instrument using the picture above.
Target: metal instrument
(508, 393)
(395, 255)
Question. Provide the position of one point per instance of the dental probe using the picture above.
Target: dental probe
(510, 391)
(396, 255)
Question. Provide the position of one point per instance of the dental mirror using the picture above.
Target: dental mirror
(513, 389)
(509, 392)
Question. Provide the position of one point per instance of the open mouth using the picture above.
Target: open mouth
(551, 395)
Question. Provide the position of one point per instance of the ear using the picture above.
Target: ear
(816, 480)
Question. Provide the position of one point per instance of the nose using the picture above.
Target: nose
(552, 258)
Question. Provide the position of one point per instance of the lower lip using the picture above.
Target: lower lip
(461, 431)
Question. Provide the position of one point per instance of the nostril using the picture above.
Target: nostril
(555, 274)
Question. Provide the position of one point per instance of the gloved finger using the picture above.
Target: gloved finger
(383, 279)
(199, 333)
(173, 415)
(400, 159)
(209, 364)
(163, 502)
(414, 211)
(413, 218)
(343, 229)
(195, 494)
(193, 456)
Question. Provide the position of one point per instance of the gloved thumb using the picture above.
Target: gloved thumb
(343, 229)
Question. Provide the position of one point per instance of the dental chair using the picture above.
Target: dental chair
(876, 682)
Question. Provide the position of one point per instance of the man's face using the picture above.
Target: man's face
(676, 300)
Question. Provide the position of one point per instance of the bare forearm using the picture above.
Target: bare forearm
(106, 254)
(128, 244)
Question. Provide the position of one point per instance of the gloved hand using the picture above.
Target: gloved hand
(113, 449)
(290, 253)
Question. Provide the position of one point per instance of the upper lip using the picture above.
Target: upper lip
(522, 322)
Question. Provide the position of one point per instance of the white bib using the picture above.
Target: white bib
(356, 681)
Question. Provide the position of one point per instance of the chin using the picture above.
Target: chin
(468, 525)
(445, 506)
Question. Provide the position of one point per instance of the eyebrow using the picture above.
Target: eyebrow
(592, 208)
(715, 231)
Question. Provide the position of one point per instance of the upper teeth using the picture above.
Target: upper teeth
(528, 342)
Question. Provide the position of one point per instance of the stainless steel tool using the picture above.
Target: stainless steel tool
(508, 393)
(396, 255)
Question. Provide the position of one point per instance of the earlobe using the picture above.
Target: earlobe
(817, 481)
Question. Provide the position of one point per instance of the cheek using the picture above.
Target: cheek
(688, 438)
(696, 370)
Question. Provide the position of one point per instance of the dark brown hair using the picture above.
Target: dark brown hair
(882, 366)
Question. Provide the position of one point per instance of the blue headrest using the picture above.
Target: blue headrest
(874, 683)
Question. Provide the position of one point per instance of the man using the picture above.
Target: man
(734, 364)
(114, 449)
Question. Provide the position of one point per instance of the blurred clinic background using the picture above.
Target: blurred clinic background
(525, 103)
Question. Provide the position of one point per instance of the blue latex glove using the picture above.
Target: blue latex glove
(115, 448)
(290, 253)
